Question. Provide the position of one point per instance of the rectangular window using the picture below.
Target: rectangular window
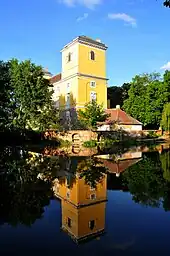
(58, 190)
(93, 196)
(91, 224)
(69, 222)
(68, 87)
(68, 194)
(93, 96)
(68, 100)
(92, 84)
(58, 89)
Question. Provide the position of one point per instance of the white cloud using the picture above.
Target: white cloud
(87, 3)
(123, 16)
(85, 16)
(166, 66)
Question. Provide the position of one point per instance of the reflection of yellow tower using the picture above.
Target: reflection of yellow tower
(83, 208)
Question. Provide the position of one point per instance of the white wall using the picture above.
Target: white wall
(131, 127)
(105, 127)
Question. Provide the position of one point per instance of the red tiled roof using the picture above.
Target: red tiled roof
(55, 78)
(120, 166)
(121, 117)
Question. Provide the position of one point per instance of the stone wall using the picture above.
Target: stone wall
(74, 136)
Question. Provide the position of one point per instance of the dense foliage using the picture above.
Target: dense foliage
(166, 117)
(147, 97)
(92, 114)
(25, 98)
(118, 94)
(167, 3)
(149, 180)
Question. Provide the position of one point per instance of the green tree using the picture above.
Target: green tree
(147, 96)
(145, 181)
(31, 97)
(92, 114)
(118, 94)
(166, 117)
(167, 3)
(4, 96)
(165, 161)
(23, 195)
(92, 171)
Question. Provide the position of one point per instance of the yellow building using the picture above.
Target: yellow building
(83, 208)
(83, 75)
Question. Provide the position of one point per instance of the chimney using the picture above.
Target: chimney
(118, 106)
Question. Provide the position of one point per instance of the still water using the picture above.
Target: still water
(84, 205)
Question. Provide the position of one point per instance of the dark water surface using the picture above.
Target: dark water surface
(84, 205)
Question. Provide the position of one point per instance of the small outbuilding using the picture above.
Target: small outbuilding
(119, 119)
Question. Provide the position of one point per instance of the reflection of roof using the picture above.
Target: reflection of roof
(55, 78)
(85, 238)
(121, 117)
(120, 166)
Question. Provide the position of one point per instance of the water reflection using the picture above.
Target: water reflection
(83, 206)
(29, 181)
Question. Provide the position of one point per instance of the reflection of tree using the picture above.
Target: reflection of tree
(92, 170)
(22, 194)
(165, 160)
(145, 181)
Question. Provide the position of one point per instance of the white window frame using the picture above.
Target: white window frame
(68, 87)
(93, 195)
(58, 89)
(68, 101)
(93, 84)
(68, 194)
(94, 93)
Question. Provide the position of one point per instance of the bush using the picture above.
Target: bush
(90, 144)
(152, 134)
(108, 142)
(64, 143)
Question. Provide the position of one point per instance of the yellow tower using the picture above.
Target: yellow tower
(83, 75)
(83, 208)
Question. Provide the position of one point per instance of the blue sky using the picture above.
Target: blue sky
(135, 31)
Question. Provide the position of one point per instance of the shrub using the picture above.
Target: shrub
(90, 144)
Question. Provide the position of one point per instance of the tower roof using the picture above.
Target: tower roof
(87, 41)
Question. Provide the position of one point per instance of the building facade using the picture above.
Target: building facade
(83, 76)
(83, 207)
(120, 120)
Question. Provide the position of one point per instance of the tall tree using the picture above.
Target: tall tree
(147, 96)
(166, 117)
(4, 95)
(31, 97)
(118, 94)
(92, 114)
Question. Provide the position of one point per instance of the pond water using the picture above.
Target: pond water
(84, 205)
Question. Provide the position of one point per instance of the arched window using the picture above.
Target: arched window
(69, 56)
(92, 55)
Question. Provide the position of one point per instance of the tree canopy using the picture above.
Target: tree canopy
(25, 98)
(166, 117)
(92, 114)
(167, 3)
(118, 94)
(146, 98)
